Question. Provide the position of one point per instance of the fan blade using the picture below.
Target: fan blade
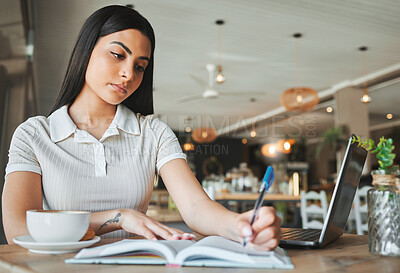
(191, 97)
(199, 80)
(243, 93)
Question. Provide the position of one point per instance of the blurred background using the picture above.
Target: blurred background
(342, 51)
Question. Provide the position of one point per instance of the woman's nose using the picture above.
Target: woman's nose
(126, 73)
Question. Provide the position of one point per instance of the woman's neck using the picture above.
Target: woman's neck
(89, 111)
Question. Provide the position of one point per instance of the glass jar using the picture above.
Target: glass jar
(384, 215)
(246, 180)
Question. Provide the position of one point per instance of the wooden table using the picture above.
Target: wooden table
(164, 215)
(347, 254)
(250, 198)
(276, 197)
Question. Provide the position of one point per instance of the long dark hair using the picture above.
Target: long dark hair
(105, 21)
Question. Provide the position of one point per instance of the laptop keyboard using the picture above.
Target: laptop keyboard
(299, 234)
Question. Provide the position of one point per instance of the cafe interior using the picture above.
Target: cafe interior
(243, 85)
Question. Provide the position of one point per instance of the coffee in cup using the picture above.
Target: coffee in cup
(55, 226)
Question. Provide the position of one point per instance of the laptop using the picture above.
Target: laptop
(339, 207)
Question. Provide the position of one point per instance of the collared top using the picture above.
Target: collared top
(80, 172)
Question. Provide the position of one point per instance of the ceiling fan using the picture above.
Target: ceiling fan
(209, 90)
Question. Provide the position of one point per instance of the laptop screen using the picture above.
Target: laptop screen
(343, 195)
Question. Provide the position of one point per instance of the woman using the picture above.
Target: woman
(99, 149)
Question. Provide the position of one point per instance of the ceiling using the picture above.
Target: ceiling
(258, 53)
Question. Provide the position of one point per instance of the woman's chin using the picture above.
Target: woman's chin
(114, 100)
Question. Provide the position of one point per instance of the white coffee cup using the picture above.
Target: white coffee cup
(57, 225)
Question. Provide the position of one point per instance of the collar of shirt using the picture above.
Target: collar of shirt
(62, 126)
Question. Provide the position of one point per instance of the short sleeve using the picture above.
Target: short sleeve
(21, 156)
(168, 147)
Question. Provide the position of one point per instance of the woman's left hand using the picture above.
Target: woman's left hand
(265, 232)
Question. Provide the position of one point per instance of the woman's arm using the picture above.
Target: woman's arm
(196, 208)
(22, 191)
(132, 221)
(209, 217)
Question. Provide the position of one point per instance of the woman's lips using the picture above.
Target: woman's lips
(120, 88)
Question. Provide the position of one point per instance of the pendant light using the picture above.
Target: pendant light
(253, 132)
(204, 134)
(285, 145)
(188, 146)
(220, 78)
(365, 98)
(299, 98)
(269, 150)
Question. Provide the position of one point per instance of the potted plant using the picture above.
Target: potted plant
(383, 199)
(385, 156)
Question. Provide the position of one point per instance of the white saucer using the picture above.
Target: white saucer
(27, 241)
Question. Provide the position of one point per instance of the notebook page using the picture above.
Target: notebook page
(168, 248)
(222, 243)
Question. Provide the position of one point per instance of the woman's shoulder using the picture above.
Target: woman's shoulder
(152, 121)
(145, 121)
(34, 122)
(31, 126)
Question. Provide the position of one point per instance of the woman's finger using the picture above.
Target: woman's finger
(243, 224)
(188, 236)
(139, 223)
(159, 229)
(169, 233)
(266, 217)
(174, 231)
(270, 245)
(147, 233)
(267, 235)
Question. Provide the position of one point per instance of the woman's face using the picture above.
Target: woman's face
(117, 64)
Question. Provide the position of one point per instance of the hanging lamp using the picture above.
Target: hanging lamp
(204, 135)
(365, 98)
(269, 150)
(188, 146)
(253, 132)
(220, 78)
(285, 145)
(299, 98)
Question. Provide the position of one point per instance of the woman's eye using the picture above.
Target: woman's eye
(139, 68)
(118, 56)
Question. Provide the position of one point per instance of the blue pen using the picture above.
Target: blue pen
(265, 185)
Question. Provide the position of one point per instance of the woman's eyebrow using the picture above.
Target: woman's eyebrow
(129, 51)
(144, 58)
(123, 46)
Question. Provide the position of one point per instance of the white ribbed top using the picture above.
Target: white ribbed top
(80, 172)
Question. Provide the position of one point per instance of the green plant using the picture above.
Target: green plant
(383, 151)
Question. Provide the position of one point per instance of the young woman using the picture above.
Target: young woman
(100, 148)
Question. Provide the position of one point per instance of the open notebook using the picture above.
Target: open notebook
(339, 207)
(211, 251)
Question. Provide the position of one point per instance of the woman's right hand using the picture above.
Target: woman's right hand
(136, 222)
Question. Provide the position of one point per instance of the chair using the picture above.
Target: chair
(361, 210)
(310, 212)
